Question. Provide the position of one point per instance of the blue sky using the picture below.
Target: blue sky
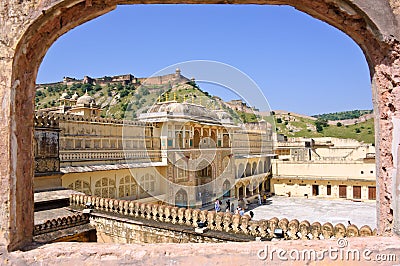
(301, 64)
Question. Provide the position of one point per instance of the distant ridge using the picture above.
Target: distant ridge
(363, 116)
(283, 112)
(345, 115)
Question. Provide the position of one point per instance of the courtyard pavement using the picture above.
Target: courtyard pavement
(317, 210)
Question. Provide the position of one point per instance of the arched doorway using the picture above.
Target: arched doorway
(226, 140)
(214, 138)
(254, 168)
(240, 173)
(241, 192)
(226, 166)
(181, 198)
(179, 140)
(248, 169)
(260, 167)
(226, 187)
(30, 43)
(196, 138)
(205, 139)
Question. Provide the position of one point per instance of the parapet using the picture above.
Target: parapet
(71, 117)
(45, 120)
(223, 221)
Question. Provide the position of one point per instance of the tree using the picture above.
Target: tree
(144, 91)
(123, 93)
(279, 120)
(86, 87)
(120, 87)
(319, 128)
(338, 124)
(243, 117)
(98, 88)
(320, 123)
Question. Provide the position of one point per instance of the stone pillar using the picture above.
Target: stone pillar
(16, 156)
(396, 194)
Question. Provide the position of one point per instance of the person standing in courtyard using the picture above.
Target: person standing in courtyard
(217, 206)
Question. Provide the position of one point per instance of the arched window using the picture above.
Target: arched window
(127, 187)
(105, 188)
(148, 183)
(180, 171)
(81, 186)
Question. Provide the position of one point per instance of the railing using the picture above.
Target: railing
(223, 221)
(235, 150)
(60, 223)
(138, 155)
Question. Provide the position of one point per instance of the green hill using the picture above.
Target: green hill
(303, 127)
(114, 99)
(343, 115)
(118, 100)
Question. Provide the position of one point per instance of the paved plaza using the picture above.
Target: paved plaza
(317, 210)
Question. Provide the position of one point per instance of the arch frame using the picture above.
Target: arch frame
(30, 28)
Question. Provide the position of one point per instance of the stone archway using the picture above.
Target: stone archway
(30, 28)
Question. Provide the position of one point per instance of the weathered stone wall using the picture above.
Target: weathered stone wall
(200, 254)
(122, 231)
(28, 28)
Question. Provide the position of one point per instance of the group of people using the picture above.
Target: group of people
(229, 207)
(263, 200)
(239, 211)
(217, 205)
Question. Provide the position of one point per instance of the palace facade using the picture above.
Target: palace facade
(184, 154)
(324, 167)
(177, 153)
